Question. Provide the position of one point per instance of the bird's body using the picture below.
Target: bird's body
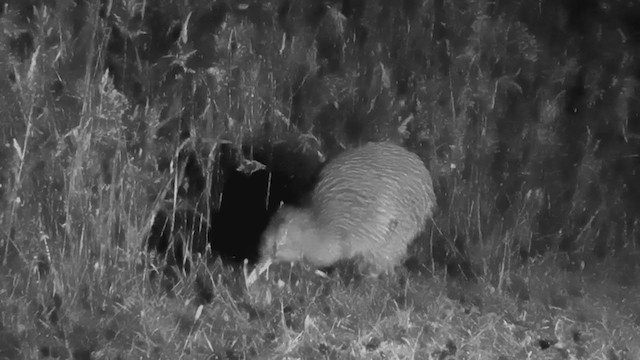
(370, 203)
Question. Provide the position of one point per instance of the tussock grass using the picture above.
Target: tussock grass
(81, 178)
(297, 314)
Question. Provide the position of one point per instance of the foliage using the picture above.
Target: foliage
(525, 112)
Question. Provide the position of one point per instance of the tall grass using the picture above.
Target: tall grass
(529, 141)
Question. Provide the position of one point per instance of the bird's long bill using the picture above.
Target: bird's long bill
(260, 269)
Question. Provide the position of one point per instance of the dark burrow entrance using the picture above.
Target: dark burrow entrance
(248, 186)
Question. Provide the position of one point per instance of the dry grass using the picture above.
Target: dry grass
(80, 181)
(94, 310)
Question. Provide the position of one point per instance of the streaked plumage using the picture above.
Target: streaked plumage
(370, 203)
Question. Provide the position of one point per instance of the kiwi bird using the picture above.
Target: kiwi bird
(369, 204)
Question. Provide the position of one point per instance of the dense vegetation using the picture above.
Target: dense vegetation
(117, 113)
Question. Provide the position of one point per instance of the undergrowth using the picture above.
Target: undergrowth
(530, 139)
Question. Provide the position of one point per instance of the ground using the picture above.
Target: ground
(115, 310)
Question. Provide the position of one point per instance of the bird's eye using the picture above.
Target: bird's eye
(282, 238)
